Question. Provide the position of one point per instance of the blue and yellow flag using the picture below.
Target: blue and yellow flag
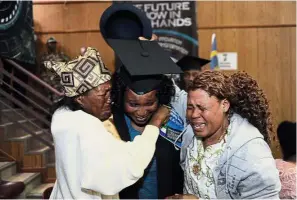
(214, 63)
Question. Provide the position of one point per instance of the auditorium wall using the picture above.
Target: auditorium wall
(263, 34)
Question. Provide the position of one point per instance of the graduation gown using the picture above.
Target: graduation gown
(169, 172)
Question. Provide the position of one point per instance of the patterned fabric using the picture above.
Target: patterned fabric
(49, 75)
(81, 74)
(287, 175)
(110, 127)
(199, 179)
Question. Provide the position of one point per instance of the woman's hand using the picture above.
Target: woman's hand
(160, 117)
(154, 38)
(182, 196)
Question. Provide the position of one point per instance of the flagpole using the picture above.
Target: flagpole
(214, 63)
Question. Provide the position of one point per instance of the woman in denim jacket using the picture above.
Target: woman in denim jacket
(224, 153)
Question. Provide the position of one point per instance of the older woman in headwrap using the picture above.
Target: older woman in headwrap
(90, 162)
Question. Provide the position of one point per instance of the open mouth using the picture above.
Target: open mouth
(141, 119)
(198, 126)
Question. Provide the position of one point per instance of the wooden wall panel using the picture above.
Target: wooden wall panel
(69, 17)
(263, 34)
(292, 75)
(51, 172)
(267, 54)
(71, 43)
(245, 13)
(33, 161)
(243, 41)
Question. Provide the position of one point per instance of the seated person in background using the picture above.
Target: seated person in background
(286, 133)
(228, 157)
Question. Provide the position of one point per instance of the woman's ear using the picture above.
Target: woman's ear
(79, 100)
(226, 105)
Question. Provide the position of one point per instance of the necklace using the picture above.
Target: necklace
(196, 168)
(223, 135)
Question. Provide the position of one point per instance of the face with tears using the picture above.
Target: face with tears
(206, 114)
(97, 101)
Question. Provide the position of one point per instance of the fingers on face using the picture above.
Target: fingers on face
(154, 37)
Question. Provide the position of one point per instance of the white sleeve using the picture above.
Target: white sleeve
(110, 165)
(179, 102)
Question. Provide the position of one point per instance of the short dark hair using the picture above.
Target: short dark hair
(66, 102)
(286, 133)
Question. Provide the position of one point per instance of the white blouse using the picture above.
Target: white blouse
(92, 163)
(199, 165)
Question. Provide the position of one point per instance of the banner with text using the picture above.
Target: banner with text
(174, 22)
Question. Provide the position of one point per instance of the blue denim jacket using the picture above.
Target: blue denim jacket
(247, 168)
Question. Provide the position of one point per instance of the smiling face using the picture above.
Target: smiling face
(140, 108)
(206, 114)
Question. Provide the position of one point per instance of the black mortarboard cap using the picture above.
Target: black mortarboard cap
(192, 62)
(143, 63)
(140, 84)
(124, 21)
(143, 57)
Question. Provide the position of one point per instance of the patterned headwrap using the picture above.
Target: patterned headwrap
(81, 74)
